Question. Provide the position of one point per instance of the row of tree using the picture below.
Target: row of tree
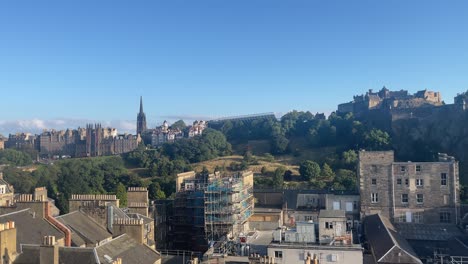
(338, 130)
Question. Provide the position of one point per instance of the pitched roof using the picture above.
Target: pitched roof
(30, 229)
(84, 229)
(383, 238)
(428, 232)
(70, 255)
(129, 250)
(332, 214)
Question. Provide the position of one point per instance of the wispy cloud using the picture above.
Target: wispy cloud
(36, 125)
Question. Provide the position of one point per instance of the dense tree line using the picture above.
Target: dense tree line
(15, 157)
(338, 130)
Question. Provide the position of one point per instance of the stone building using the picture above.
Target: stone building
(197, 128)
(386, 99)
(93, 140)
(417, 192)
(2, 143)
(137, 200)
(299, 244)
(6, 192)
(163, 134)
(22, 141)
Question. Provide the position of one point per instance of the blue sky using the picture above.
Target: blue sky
(64, 63)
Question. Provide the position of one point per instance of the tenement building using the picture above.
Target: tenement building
(410, 192)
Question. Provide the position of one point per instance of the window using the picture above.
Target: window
(406, 182)
(328, 225)
(443, 179)
(374, 197)
(308, 218)
(398, 181)
(336, 206)
(355, 205)
(404, 198)
(349, 206)
(418, 217)
(374, 181)
(445, 217)
(419, 182)
(418, 168)
(278, 254)
(402, 168)
(419, 198)
(401, 218)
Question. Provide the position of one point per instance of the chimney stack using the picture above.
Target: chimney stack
(8, 241)
(49, 251)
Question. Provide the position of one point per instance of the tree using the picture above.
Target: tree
(278, 177)
(279, 144)
(155, 192)
(377, 139)
(180, 124)
(309, 170)
(327, 172)
(345, 180)
(248, 157)
(14, 157)
(350, 158)
(288, 175)
(121, 194)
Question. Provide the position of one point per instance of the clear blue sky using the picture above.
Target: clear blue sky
(91, 60)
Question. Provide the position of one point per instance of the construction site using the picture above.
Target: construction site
(211, 210)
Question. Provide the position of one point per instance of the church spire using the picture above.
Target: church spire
(141, 104)
(141, 119)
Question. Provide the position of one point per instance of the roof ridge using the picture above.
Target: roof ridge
(15, 212)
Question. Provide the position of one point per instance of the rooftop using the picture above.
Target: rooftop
(84, 229)
(428, 232)
(383, 238)
(129, 250)
(31, 228)
(332, 214)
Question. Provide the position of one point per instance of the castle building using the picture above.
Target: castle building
(409, 192)
(141, 119)
(386, 99)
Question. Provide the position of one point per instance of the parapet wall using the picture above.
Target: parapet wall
(93, 197)
(128, 221)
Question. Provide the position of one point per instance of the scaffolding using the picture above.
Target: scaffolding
(228, 205)
(212, 209)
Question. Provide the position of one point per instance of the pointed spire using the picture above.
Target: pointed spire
(141, 104)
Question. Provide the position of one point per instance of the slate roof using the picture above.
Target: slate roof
(69, 255)
(31, 228)
(129, 250)
(84, 229)
(428, 231)
(383, 238)
(332, 214)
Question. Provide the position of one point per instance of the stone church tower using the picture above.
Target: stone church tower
(141, 119)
